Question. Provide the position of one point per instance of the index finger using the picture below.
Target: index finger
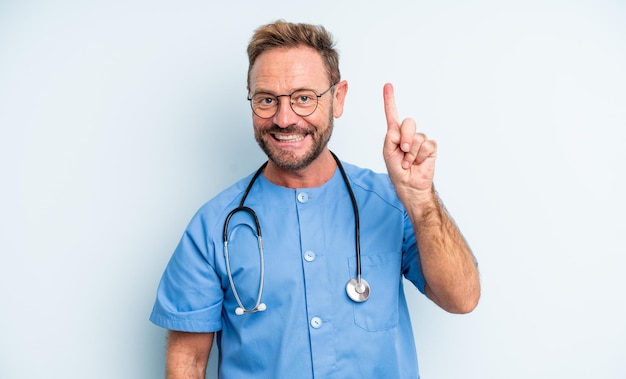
(391, 112)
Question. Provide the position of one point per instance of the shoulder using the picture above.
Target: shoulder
(212, 213)
(375, 183)
(367, 179)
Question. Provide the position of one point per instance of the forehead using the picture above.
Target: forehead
(285, 69)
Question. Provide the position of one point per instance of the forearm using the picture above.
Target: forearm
(450, 271)
(187, 355)
(181, 367)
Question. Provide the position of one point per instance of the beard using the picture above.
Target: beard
(288, 160)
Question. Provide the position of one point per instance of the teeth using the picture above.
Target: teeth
(288, 137)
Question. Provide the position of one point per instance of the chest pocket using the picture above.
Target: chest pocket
(383, 273)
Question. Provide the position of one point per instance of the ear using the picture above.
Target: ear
(341, 89)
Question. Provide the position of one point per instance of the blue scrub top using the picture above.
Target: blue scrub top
(311, 328)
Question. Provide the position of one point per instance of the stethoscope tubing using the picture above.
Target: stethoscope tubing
(242, 208)
(357, 226)
(241, 309)
(357, 288)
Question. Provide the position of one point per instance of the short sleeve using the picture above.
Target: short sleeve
(411, 264)
(189, 297)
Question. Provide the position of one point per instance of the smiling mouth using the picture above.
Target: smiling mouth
(288, 137)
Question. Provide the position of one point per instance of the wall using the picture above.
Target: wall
(118, 119)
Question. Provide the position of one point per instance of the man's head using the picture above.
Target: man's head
(295, 91)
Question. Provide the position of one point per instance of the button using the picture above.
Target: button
(316, 322)
(303, 197)
(309, 256)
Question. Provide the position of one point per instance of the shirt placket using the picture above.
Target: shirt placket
(316, 282)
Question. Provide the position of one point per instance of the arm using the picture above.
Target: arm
(449, 268)
(448, 264)
(187, 354)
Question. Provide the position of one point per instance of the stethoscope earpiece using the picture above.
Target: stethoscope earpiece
(260, 308)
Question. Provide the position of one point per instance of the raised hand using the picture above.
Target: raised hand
(409, 156)
(447, 262)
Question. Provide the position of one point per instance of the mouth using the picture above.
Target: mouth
(283, 137)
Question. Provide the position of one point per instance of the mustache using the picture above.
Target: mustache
(291, 129)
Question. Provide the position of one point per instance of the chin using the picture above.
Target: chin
(291, 160)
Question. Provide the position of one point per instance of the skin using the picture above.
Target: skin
(187, 354)
(299, 158)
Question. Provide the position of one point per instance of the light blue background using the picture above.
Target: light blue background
(118, 119)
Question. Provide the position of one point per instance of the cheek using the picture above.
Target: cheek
(323, 115)
(260, 123)
(324, 112)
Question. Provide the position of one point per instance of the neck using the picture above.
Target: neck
(314, 175)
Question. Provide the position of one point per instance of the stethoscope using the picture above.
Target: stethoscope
(357, 288)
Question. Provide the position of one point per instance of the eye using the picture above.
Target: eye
(303, 97)
(264, 100)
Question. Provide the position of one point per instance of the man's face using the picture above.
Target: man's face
(291, 141)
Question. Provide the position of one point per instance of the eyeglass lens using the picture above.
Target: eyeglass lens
(303, 103)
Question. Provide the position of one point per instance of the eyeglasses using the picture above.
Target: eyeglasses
(303, 102)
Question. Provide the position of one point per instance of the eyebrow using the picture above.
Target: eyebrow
(268, 92)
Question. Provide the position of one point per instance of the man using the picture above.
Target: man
(280, 306)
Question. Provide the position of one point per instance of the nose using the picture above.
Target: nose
(285, 116)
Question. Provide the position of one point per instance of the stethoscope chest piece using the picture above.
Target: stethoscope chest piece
(358, 289)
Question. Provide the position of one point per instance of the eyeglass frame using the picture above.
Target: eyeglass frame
(317, 101)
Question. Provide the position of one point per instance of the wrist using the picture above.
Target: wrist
(421, 204)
